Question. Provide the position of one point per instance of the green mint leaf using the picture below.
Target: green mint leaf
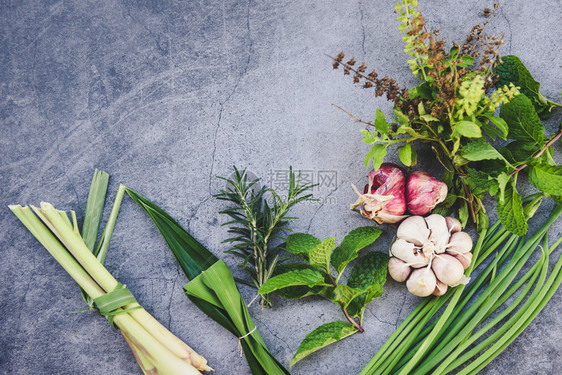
(519, 151)
(547, 178)
(510, 211)
(380, 122)
(306, 277)
(377, 153)
(401, 117)
(368, 275)
(408, 156)
(480, 150)
(466, 129)
(369, 137)
(321, 254)
(500, 124)
(524, 123)
(480, 182)
(502, 179)
(300, 291)
(355, 240)
(301, 243)
(512, 70)
(323, 336)
(345, 294)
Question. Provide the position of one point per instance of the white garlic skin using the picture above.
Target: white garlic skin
(448, 269)
(439, 232)
(461, 242)
(407, 252)
(414, 229)
(453, 224)
(398, 269)
(440, 288)
(421, 282)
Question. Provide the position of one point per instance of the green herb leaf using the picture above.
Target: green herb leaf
(368, 275)
(519, 151)
(377, 153)
(355, 240)
(306, 277)
(547, 178)
(321, 254)
(408, 156)
(369, 137)
(323, 336)
(429, 118)
(301, 243)
(466, 61)
(480, 150)
(463, 213)
(512, 70)
(500, 124)
(380, 122)
(480, 182)
(524, 123)
(345, 294)
(466, 129)
(401, 117)
(510, 211)
(503, 179)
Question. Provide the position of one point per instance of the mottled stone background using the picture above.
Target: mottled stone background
(164, 96)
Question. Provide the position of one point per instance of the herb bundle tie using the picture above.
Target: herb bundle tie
(243, 337)
(113, 303)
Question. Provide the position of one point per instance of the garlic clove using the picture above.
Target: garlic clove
(408, 253)
(439, 233)
(422, 282)
(464, 258)
(398, 269)
(453, 224)
(461, 242)
(440, 288)
(414, 229)
(448, 269)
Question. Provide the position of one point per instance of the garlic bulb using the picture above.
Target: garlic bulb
(430, 254)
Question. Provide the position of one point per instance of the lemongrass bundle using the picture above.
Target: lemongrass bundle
(155, 348)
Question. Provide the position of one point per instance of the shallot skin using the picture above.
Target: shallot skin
(424, 192)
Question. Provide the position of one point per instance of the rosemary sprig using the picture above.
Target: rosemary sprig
(255, 223)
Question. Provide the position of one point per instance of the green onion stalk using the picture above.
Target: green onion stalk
(462, 334)
(156, 349)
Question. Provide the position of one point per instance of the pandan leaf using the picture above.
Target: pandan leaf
(355, 240)
(321, 337)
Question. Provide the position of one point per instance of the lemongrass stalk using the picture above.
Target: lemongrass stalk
(94, 208)
(54, 247)
(103, 245)
(75, 244)
(160, 348)
(144, 362)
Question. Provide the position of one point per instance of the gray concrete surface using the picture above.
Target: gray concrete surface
(166, 95)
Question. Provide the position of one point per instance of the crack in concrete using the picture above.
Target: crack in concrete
(172, 297)
(242, 74)
(400, 311)
(362, 28)
(508, 27)
(377, 318)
